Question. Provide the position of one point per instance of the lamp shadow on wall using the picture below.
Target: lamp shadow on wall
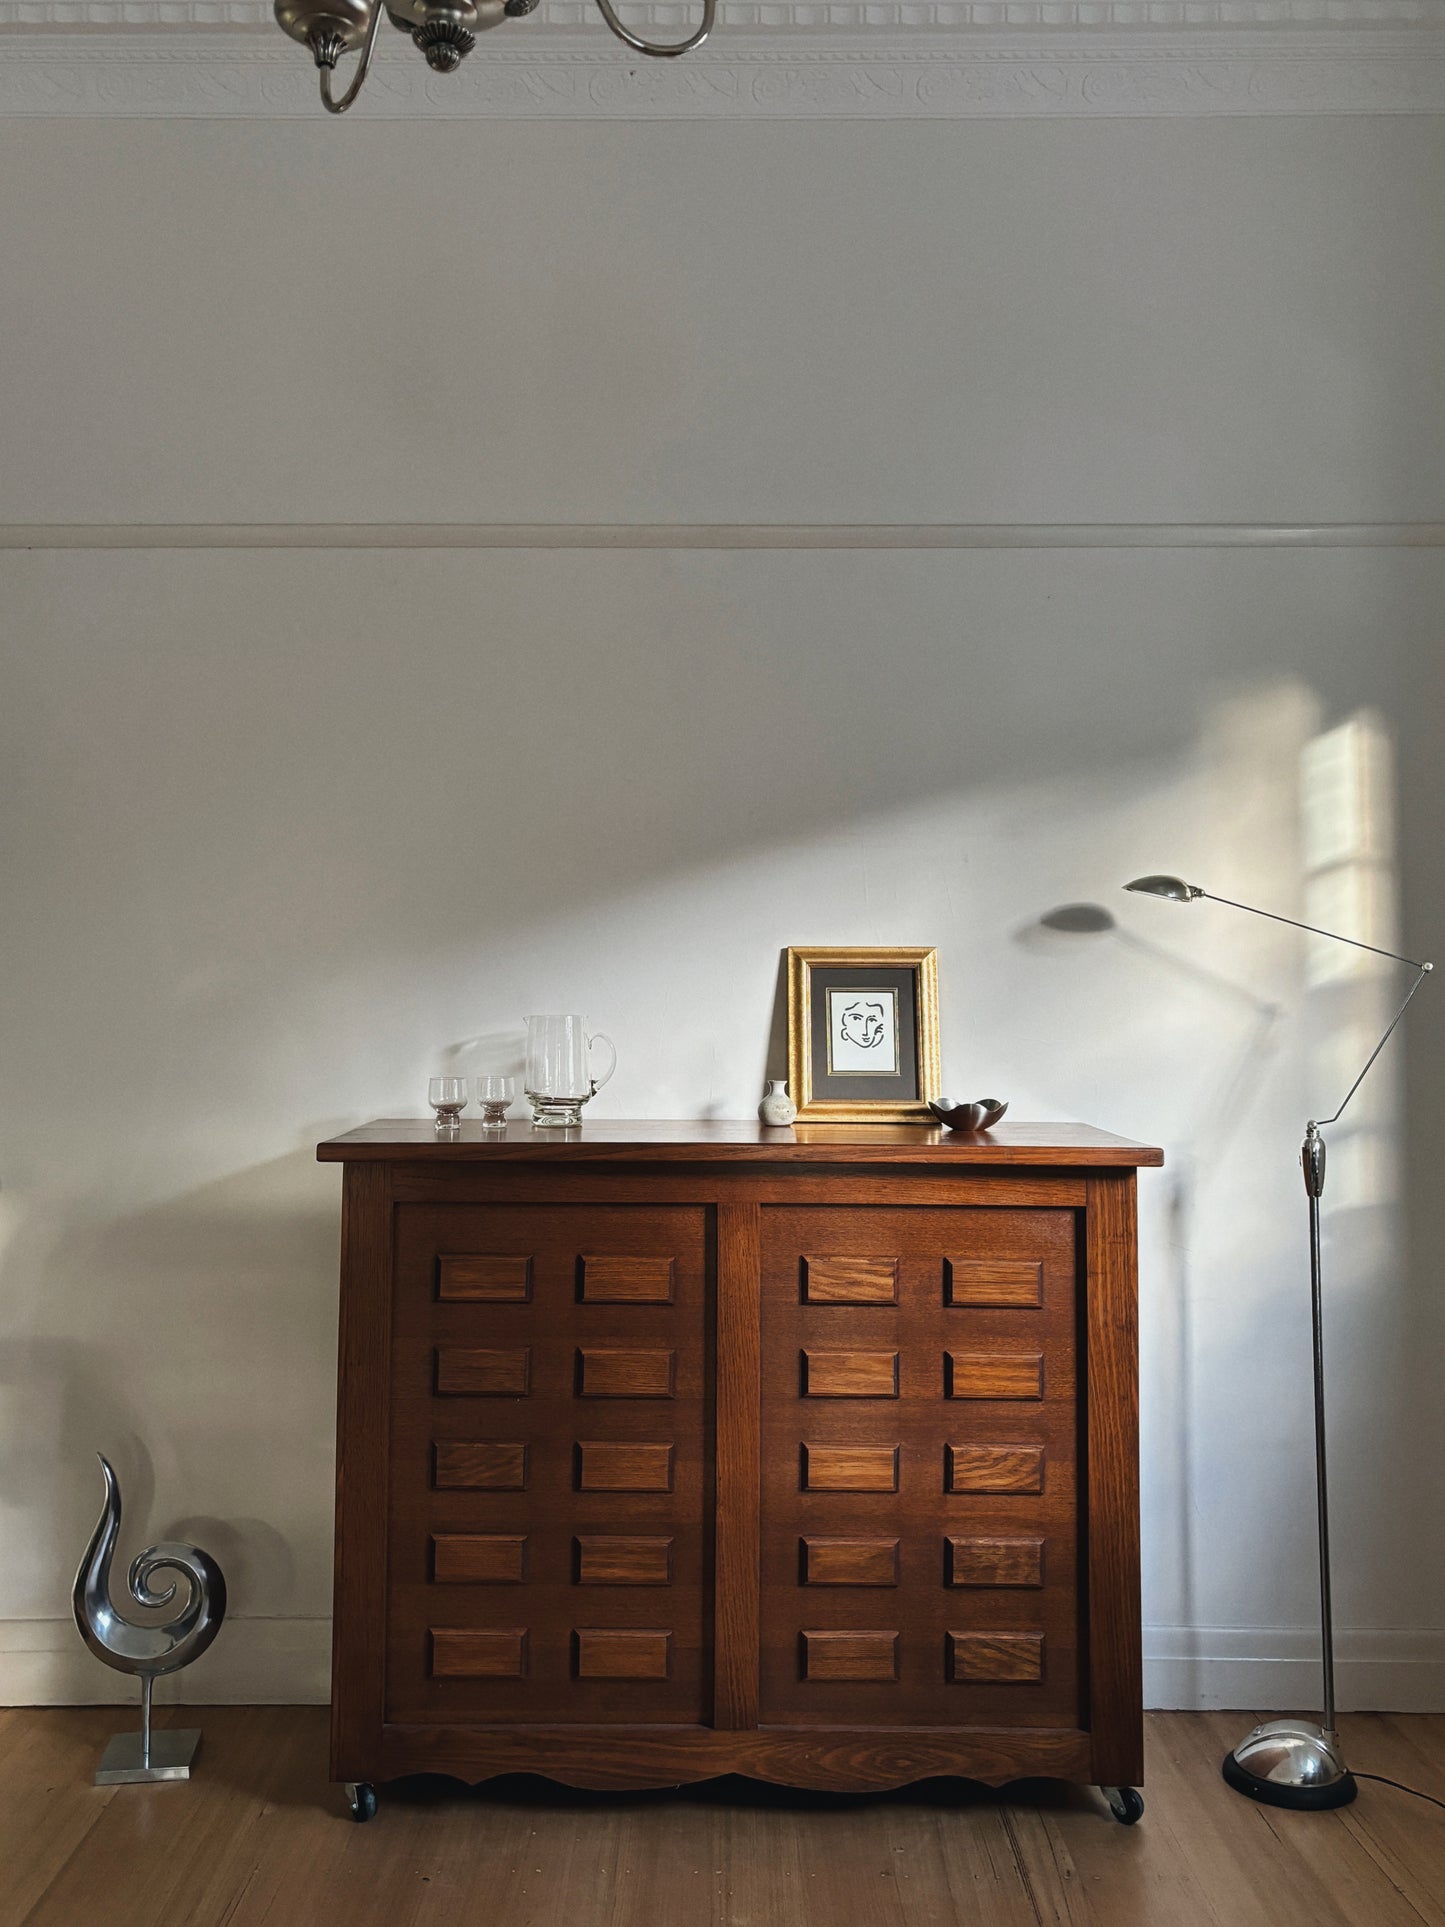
(1173, 1466)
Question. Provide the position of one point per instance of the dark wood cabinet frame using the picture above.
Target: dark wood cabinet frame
(735, 1174)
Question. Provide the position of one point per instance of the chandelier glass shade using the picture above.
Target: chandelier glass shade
(444, 31)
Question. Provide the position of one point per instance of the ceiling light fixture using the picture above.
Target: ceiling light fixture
(444, 30)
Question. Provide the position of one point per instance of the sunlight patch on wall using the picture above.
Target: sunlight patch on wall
(1348, 849)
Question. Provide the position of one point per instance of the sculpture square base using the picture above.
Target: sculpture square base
(172, 1750)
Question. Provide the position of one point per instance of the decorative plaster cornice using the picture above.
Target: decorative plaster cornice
(887, 73)
(828, 18)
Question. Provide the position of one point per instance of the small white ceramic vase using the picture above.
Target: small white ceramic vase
(777, 1108)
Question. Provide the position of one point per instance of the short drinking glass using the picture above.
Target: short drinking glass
(494, 1094)
(448, 1098)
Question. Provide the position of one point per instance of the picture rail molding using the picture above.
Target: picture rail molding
(722, 535)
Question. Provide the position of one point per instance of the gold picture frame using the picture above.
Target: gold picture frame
(883, 993)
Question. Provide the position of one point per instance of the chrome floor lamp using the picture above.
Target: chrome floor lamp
(1293, 1763)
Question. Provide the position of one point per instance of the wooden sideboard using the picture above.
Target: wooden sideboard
(670, 1450)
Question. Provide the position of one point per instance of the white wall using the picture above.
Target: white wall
(287, 829)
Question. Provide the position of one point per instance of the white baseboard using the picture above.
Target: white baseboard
(254, 1662)
(1277, 1669)
(287, 1662)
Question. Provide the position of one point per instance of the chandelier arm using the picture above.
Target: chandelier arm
(362, 70)
(709, 14)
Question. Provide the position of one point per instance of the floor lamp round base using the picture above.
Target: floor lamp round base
(1289, 1763)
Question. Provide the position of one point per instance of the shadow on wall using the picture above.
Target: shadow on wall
(258, 819)
(210, 1328)
(1243, 1050)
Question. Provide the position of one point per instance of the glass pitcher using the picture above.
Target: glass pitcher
(559, 1068)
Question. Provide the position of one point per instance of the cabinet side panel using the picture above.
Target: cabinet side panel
(1116, 1689)
(358, 1619)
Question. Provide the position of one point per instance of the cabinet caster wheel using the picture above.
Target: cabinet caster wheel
(362, 1795)
(1126, 1804)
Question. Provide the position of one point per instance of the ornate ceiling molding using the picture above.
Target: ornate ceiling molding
(830, 19)
(853, 60)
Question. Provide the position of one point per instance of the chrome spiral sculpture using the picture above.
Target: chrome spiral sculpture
(149, 1649)
(444, 31)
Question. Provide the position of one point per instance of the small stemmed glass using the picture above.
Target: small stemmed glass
(448, 1098)
(494, 1094)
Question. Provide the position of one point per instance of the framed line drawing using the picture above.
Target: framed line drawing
(863, 1034)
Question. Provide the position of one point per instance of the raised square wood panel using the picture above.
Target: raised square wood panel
(614, 1373)
(548, 1452)
(470, 1652)
(611, 1465)
(617, 1559)
(849, 1468)
(850, 1374)
(850, 1281)
(849, 1562)
(996, 1659)
(993, 1374)
(604, 1652)
(479, 1465)
(993, 1282)
(996, 1562)
(849, 1657)
(919, 1481)
(484, 1278)
(993, 1468)
(479, 1558)
(474, 1372)
(624, 1279)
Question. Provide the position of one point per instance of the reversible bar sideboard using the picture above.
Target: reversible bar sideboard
(671, 1450)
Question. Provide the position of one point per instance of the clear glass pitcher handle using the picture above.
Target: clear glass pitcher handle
(602, 1038)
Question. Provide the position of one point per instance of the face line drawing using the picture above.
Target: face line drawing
(861, 1023)
(862, 1033)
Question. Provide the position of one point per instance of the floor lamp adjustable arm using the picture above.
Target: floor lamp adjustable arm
(1313, 928)
(1176, 890)
(1422, 971)
(1312, 1152)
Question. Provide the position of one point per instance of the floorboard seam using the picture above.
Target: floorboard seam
(1023, 1872)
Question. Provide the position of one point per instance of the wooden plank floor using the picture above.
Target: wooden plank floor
(260, 1836)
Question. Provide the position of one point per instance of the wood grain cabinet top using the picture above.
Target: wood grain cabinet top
(603, 1140)
(674, 1450)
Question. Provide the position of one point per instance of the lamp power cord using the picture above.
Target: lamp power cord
(1400, 1787)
